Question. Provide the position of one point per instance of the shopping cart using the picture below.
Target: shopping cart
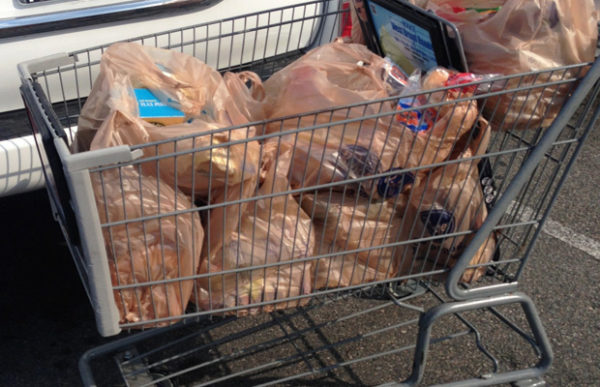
(368, 331)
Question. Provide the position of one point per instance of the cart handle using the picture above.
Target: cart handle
(522, 177)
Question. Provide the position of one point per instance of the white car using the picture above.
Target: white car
(30, 29)
(57, 80)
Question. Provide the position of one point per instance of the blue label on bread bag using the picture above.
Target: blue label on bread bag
(360, 161)
(392, 185)
(438, 222)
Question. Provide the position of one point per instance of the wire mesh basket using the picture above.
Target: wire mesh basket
(290, 242)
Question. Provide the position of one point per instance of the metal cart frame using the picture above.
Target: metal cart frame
(538, 164)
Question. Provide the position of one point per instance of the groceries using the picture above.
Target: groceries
(145, 248)
(272, 230)
(110, 115)
(360, 238)
(450, 201)
(255, 209)
(339, 74)
(520, 36)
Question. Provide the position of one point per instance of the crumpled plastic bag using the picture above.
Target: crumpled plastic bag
(209, 101)
(347, 222)
(177, 79)
(248, 94)
(387, 144)
(331, 75)
(196, 172)
(450, 201)
(273, 230)
(524, 36)
(159, 249)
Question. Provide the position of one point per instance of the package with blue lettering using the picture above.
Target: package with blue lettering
(156, 112)
(428, 122)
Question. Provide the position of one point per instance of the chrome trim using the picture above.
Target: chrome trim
(52, 21)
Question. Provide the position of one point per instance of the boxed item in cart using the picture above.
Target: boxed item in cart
(154, 111)
(408, 35)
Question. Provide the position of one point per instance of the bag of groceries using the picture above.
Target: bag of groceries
(350, 222)
(388, 144)
(176, 79)
(200, 166)
(163, 248)
(519, 36)
(331, 75)
(271, 231)
(353, 143)
(207, 103)
(449, 201)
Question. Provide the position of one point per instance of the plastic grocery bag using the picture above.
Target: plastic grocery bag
(177, 79)
(331, 75)
(163, 248)
(451, 201)
(193, 171)
(524, 36)
(249, 100)
(210, 102)
(272, 230)
(414, 136)
(319, 163)
(347, 222)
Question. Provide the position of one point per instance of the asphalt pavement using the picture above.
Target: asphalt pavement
(47, 322)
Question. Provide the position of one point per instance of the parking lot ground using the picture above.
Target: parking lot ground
(47, 322)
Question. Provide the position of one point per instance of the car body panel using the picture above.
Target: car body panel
(20, 168)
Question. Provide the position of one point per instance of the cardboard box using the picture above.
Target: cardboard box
(152, 110)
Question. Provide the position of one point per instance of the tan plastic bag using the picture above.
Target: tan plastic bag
(367, 147)
(250, 101)
(524, 36)
(195, 172)
(265, 231)
(351, 223)
(158, 249)
(178, 79)
(110, 115)
(450, 201)
(331, 75)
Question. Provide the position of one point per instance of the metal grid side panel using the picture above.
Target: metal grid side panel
(230, 285)
(424, 246)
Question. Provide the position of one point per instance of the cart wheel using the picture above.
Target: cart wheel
(488, 185)
(401, 289)
(134, 370)
(537, 382)
(162, 383)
